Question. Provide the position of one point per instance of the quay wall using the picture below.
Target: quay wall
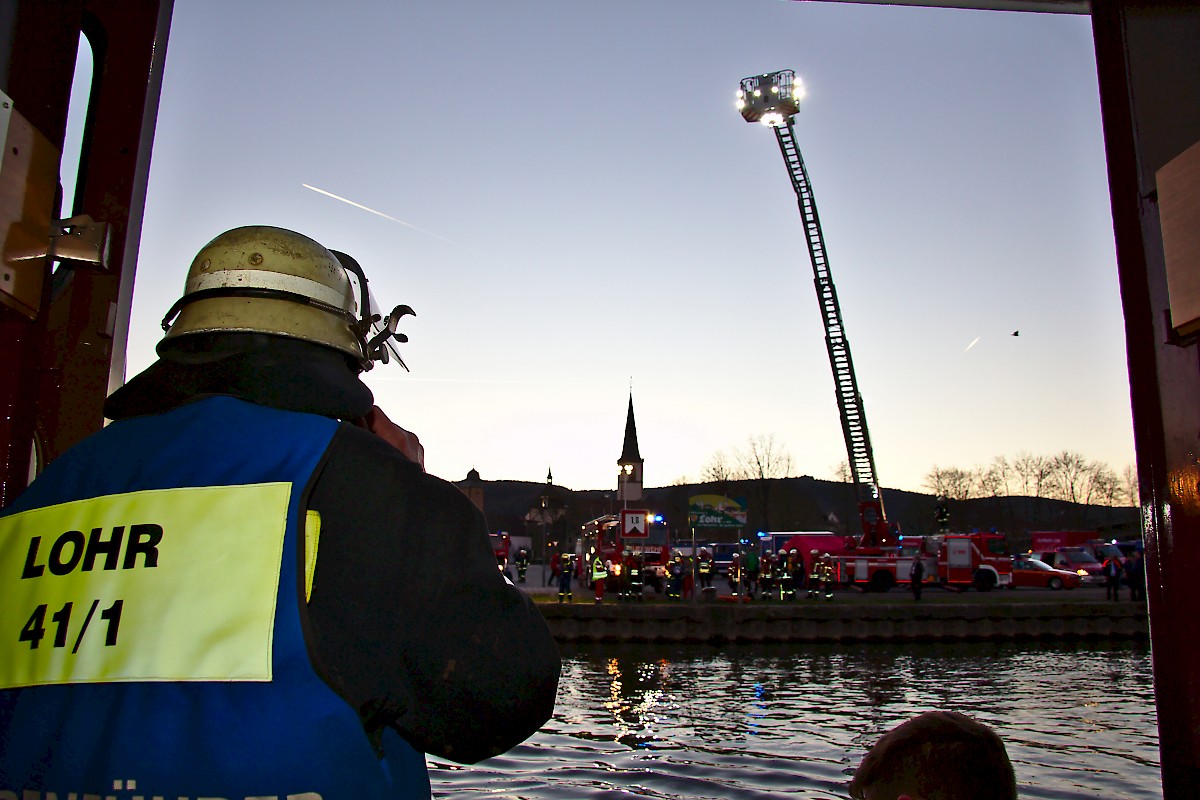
(720, 623)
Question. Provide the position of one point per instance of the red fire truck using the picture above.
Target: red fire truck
(603, 534)
(501, 546)
(954, 560)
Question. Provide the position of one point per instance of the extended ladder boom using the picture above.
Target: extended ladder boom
(854, 419)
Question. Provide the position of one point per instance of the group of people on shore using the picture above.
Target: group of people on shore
(1132, 569)
(781, 576)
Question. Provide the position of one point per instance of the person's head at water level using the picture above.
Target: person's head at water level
(939, 755)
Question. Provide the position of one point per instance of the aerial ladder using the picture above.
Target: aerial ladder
(773, 100)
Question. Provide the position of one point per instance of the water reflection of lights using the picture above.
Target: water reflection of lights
(634, 699)
(757, 709)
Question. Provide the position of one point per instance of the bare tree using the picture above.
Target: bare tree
(994, 479)
(719, 469)
(950, 482)
(841, 471)
(1104, 485)
(1032, 472)
(1070, 475)
(1130, 493)
(763, 458)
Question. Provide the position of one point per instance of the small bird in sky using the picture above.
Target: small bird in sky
(1016, 333)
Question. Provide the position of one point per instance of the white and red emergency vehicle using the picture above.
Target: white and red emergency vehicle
(955, 560)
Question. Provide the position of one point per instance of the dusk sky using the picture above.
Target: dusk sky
(568, 198)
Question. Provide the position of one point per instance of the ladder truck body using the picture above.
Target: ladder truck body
(773, 100)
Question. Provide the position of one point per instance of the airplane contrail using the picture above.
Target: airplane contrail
(388, 217)
(974, 342)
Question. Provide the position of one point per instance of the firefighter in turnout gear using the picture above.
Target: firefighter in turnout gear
(941, 515)
(827, 572)
(705, 569)
(675, 577)
(786, 578)
(766, 575)
(566, 567)
(814, 575)
(522, 564)
(252, 642)
(795, 568)
(634, 579)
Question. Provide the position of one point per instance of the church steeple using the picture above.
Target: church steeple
(629, 450)
(629, 465)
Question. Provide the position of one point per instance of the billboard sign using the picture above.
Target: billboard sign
(715, 511)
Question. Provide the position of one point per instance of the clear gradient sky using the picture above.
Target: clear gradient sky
(582, 207)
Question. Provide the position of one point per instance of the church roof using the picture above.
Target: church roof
(629, 450)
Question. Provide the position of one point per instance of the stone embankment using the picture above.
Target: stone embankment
(723, 622)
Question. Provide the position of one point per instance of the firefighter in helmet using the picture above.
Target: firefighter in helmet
(675, 577)
(827, 575)
(814, 574)
(271, 503)
(705, 568)
(783, 578)
(766, 575)
(565, 570)
(941, 515)
(634, 579)
(522, 564)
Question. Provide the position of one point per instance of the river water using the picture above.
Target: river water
(669, 721)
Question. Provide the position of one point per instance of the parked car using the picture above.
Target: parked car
(1039, 574)
(1079, 560)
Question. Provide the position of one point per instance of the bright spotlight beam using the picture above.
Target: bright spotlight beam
(387, 217)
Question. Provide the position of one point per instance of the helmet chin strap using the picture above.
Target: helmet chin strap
(379, 347)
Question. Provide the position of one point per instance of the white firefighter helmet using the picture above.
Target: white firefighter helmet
(826, 556)
(813, 553)
(262, 279)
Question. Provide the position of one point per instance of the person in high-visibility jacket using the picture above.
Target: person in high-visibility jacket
(210, 597)
(599, 577)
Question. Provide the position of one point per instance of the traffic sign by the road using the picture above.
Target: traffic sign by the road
(635, 523)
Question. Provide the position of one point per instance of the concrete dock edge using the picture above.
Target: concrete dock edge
(752, 623)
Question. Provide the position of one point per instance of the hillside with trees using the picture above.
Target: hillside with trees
(804, 503)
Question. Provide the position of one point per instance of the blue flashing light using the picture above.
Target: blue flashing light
(763, 534)
(658, 518)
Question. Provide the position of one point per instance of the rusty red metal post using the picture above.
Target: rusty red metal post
(57, 369)
(1148, 58)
